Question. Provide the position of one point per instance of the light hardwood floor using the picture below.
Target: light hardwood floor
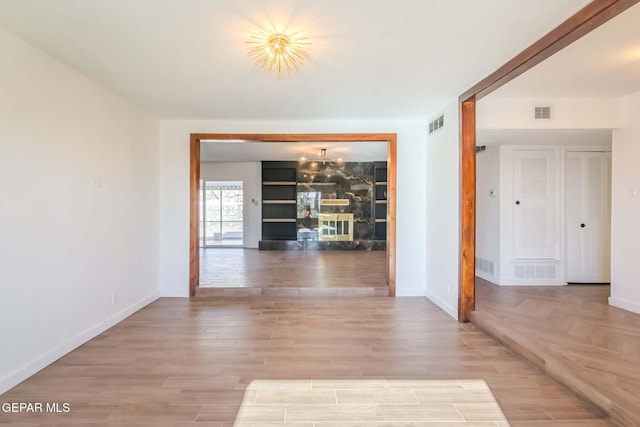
(573, 335)
(250, 272)
(194, 362)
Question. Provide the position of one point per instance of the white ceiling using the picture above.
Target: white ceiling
(605, 62)
(371, 58)
(255, 151)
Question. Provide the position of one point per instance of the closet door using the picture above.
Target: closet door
(534, 204)
(588, 216)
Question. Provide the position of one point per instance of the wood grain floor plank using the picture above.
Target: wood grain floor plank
(572, 334)
(197, 362)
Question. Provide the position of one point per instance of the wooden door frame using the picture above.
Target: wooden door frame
(578, 25)
(194, 181)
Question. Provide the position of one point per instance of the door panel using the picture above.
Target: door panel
(535, 205)
(588, 223)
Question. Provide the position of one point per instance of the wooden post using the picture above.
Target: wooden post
(467, 294)
(194, 217)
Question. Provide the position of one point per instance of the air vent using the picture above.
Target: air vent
(436, 124)
(535, 271)
(542, 113)
(485, 265)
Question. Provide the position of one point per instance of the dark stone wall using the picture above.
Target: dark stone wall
(352, 181)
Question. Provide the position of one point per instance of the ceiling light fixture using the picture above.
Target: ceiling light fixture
(323, 158)
(278, 52)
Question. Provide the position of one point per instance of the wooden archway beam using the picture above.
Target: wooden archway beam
(578, 25)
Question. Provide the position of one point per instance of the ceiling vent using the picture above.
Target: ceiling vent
(542, 113)
(438, 123)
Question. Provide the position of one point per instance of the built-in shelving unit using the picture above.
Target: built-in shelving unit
(279, 200)
(380, 200)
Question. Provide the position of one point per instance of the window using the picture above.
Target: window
(221, 205)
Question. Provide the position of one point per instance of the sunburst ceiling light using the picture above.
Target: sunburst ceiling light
(278, 52)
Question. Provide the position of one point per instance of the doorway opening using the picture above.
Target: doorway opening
(578, 25)
(388, 260)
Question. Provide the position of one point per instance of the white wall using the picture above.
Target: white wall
(65, 245)
(250, 174)
(495, 112)
(625, 212)
(443, 213)
(174, 195)
(488, 211)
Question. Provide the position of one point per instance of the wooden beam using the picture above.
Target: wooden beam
(296, 137)
(194, 227)
(466, 295)
(391, 213)
(194, 216)
(581, 23)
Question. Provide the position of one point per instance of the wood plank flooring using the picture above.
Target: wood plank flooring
(194, 362)
(251, 268)
(573, 335)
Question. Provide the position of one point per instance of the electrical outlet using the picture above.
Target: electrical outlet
(114, 298)
(97, 181)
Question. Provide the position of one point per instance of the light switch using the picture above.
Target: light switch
(97, 181)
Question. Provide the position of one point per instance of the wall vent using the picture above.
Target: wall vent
(436, 124)
(542, 113)
(485, 265)
(535, 271)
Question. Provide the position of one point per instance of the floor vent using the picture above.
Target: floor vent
(542, 113)
(535, 271)
(436, 124)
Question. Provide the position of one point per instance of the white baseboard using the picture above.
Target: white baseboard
(486, 276)
(451, 311)
(174, 293)
(32, 367)
(624, 304)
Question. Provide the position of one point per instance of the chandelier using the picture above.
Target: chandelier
(278, 52)
(323, 158)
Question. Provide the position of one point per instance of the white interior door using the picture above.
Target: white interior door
(588, 216)
(534, 205)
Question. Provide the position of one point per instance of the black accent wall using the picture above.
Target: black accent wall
(352, 181)
(284, 183)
